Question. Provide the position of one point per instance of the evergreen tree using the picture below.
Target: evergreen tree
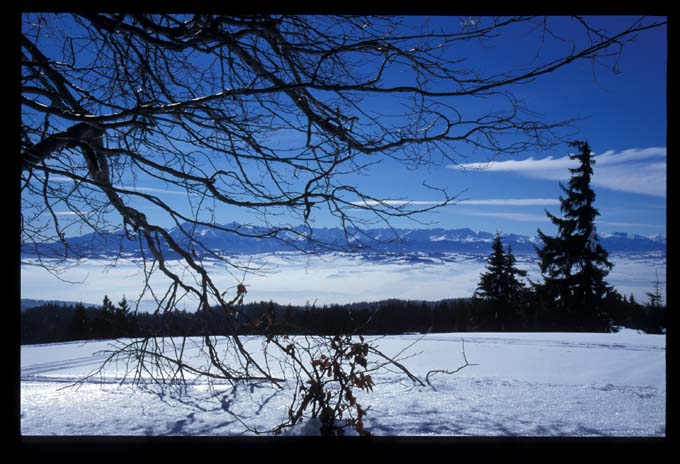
(655, 297)
(103, 323)
(513, 287)
(121, 320)
(78, 329)
(123, 307)
(107, 305)
(573, 263)
(516, 292)
(500, 285)
(491, 283)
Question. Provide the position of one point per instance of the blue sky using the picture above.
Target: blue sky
(622, 115)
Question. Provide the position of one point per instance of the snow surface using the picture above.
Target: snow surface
(522, 384)
(333, 278)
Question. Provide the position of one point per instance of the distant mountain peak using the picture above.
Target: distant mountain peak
(235, 238)
(658, 237)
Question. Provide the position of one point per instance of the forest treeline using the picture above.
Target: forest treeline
(53, 322)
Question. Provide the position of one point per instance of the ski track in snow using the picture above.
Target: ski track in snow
(544, 343)
(479, 401)
(36, 369)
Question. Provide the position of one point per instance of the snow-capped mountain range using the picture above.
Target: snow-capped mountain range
(240, 239)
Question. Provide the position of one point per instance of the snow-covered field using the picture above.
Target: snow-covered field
(543, 384)
(333, 278)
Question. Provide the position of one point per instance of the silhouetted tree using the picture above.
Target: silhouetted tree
(121, 319)
(107, 305)
(513, 286)
(573, 263)
(79, 328)
(103, 323)
(491, 283)
(500, 285)
(655, 297)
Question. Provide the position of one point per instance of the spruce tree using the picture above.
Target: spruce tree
(78, 330)
(573, 263)
(500, 286)
(513, 287)
(103, 319)
(107, 305)
(123, 307)
(122, 318)
(491, 283)
(655, 297)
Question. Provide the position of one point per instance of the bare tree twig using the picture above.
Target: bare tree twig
(444, 371)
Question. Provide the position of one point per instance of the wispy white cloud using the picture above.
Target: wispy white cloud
(152, 190)
(625, 224)
(484, 202)
(638, 178)
(60, 179)
(633, 154)
(634, 170)
(396, 203)
(528, 217)
(73, 213)
(64, 179)
(521, 217)
(513, 202)
(549, 167)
